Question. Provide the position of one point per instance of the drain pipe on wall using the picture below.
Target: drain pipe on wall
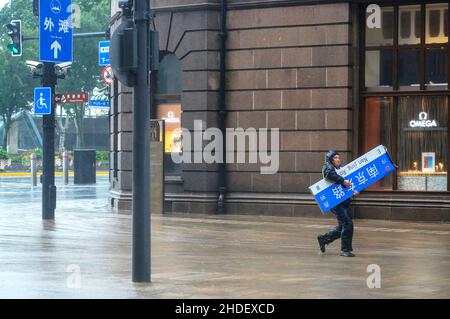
(222, 108)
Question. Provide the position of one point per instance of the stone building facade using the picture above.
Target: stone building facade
(292, 65)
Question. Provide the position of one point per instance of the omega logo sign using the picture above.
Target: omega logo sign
(171, 118)
(423, 121)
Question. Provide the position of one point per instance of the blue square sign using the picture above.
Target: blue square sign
(99, 103)
(103, 53)
(55, 31)
(43, 101)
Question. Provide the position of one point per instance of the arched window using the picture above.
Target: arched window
(168, 107)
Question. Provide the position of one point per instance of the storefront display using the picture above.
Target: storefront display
(412, 118)
(422, 137)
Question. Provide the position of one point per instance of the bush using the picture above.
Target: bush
(26, 160)
(38, 153)
(102, 156)
(3, 154)
(15, 159)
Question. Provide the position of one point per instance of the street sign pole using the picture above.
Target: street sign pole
(48, 149)
(141, 150)
(55, 45)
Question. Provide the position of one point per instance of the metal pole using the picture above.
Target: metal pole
(141, 149)
(221, 208)
(65, 159)
(48, 156)
(33, 170)
(75, 35)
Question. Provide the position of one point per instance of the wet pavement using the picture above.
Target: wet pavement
(16, 193)
(86, 253)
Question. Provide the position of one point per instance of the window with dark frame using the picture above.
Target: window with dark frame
(405, 93)
(168, 108)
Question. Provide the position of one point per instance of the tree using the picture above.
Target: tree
(63, 123)
(85, 73)
(16, 83)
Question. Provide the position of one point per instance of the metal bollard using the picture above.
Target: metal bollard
(33, 161)
(65, 159)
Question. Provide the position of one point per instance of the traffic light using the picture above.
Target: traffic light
(15, 32)
(123, 52)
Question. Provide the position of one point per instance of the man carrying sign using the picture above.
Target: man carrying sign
(342, 212)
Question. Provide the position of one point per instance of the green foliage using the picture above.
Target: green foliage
(3, 154)
(38, 153)
(25, 160)
(16, 83)
(102, 156)
(15, 159)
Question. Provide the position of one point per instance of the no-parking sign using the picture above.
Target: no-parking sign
(107, 75)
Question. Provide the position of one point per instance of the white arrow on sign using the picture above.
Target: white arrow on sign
(55, 47)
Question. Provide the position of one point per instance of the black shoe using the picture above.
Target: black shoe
(321, 243)
(346, 254)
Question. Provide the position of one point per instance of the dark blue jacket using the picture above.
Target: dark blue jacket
(329, 173)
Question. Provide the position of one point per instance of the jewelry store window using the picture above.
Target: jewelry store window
(168, 108)
(405, 94)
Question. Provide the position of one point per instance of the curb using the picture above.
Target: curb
(25, 174)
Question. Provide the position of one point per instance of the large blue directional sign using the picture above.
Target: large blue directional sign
(103, 53)
(43, 101)
(55, 31)
(361, 173)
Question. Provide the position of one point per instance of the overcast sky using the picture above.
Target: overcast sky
(3, 2)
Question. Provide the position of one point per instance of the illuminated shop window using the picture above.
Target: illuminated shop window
(168, 108)
(406, 93)
(378, 131)
(171, 114)
(422, 135)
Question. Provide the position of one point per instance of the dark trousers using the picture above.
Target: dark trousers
(343, 230)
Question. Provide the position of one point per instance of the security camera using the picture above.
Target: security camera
(34, 64)
(64, 66)
(36, 68)
(62, 69)
(125, 4)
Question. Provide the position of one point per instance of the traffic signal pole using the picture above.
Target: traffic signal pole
(48, 148)
(141, 149)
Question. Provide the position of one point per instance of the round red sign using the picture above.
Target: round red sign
(107, 75)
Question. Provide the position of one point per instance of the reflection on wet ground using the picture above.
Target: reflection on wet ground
(86, 253)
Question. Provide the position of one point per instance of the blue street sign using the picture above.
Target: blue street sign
(42, 101)
(103, 53)
(361, 173)
(55, 31)
(99, 103)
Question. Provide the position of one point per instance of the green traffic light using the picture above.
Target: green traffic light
(13, 49)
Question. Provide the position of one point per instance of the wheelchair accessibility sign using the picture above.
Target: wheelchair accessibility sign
(43, 101)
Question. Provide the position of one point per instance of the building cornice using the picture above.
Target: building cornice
(250, 4)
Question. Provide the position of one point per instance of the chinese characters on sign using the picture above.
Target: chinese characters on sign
(361, 173)
(72, 98)
(55, 31)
